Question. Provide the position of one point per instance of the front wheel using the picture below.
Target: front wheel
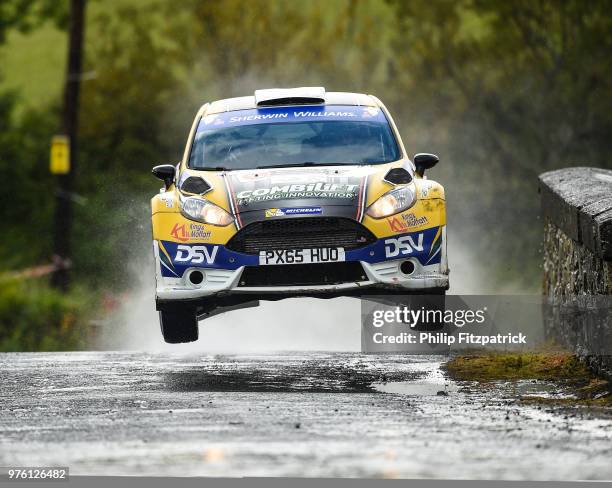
(178, 326)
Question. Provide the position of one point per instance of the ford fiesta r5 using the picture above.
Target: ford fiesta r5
(293, 192)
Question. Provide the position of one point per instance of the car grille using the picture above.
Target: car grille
(301, 233)
(302, 274)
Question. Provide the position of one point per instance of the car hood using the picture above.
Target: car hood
(327, 191)
(338, 191)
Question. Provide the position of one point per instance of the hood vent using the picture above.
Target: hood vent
(195, 184)
(398, 176)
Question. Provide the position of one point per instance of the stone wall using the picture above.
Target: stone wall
(571, 268)
(577, 266)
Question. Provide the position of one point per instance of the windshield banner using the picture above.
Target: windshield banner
(306, 113)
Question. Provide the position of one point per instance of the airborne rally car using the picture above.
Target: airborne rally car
(293, 192)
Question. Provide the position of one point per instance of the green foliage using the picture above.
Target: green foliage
(34, 317)
(505, 91)
(27, 198)
(26, 15)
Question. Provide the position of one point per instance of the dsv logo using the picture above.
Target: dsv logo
(195, 254)
(403, 245)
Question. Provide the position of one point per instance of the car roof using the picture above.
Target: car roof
(249, 102)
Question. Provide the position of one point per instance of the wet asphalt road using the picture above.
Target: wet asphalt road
(293, 414)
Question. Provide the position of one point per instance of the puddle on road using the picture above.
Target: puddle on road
(415, 388)
(329, 374)
(540, 388)
(433, 383)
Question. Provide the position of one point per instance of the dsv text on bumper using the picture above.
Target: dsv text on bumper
(443, 338)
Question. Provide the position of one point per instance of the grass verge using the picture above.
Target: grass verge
(494, 366)
(35, 317)
(561, 366)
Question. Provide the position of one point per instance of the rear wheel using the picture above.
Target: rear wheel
(178, 326)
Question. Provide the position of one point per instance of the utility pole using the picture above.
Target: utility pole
(65, 177)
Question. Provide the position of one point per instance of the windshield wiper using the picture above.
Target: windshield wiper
(295, 165)
(213, 168)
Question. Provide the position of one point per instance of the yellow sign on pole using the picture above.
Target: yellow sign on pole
(60, 155)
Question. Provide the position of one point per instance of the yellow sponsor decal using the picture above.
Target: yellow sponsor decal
(274, 212)
(424, 215)
(406, 221)
(174, 227)
(186, 232)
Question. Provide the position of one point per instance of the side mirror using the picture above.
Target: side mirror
(165, 172)
(424, 161)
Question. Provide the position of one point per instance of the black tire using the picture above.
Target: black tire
(178, 326)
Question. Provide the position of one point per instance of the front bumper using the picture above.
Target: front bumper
(385, 275)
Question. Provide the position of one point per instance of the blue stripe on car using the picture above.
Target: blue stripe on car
(217, 256)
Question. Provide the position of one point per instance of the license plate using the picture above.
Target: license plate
(302, 256)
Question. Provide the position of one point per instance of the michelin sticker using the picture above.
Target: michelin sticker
(280, 212)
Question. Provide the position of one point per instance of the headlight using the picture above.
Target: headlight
(393, 202)
(204, 211)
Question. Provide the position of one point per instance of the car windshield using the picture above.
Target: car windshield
(293, 136)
